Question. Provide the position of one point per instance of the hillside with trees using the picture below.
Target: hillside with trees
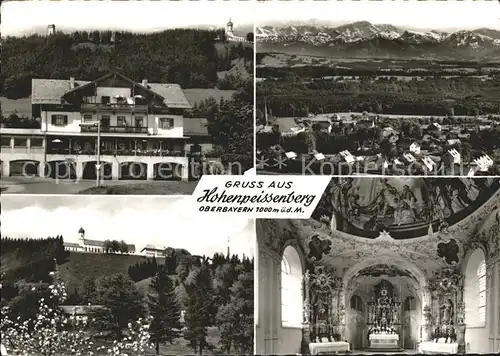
(196, 304)
(189, 57)
(410, 89)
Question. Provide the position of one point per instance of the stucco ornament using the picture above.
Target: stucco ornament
(446, 281)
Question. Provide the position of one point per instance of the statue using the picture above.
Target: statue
(427, 314)
(447, 313)
(461, 313)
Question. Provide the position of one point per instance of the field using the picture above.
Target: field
(297, 85)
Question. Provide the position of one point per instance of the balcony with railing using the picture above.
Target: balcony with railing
(116, 129)
(117, 152)
(112, 107)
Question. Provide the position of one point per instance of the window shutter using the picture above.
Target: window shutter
(65, 119)
(53, 119)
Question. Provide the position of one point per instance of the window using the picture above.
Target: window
(105, 121)
(87, 118)
(166, 123)
(105, 99)
(410, 304)
(356, 303)
(20, 142)
(139, 121)
(121, 121)
(475, 290)
(59, 120)
(36, 142)
(291, 288)
(481, 279)
(5, 141)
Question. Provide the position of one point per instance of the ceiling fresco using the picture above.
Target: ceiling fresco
(404, 207)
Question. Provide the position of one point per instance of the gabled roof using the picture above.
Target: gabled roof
(151, 247)
(80, 309)
(172, 94)
(111, 74)
(72, 244)
(51, 91)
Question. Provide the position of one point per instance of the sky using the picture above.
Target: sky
(444, 15)
(161, 221)
(27, 17)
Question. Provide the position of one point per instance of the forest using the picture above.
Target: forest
(186, 296)
(189, 57)
(294, 95)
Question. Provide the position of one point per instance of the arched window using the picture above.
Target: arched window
(291, 288)
(356, 303)
(481, 281)
(410, 304)
(475, 290)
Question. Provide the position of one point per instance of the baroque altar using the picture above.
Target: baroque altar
(384, 311)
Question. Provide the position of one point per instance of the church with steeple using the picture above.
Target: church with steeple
(88, 245)
(231, 36)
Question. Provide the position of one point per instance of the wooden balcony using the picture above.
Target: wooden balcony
(104, 108)
(116, 129)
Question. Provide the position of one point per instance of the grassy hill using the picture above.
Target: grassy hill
(81, 265)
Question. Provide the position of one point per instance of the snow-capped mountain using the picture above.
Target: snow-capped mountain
(365, 39)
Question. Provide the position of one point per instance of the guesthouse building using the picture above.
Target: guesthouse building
(134, 130)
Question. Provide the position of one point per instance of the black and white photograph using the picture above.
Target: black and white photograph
(405, 88)
(100, 275)
(404, 265)
(124, 97)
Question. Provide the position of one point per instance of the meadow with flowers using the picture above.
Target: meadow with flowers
(181, 305)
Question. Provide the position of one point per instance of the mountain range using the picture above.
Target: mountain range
(364, 39)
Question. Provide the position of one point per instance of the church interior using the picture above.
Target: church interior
(392, 265)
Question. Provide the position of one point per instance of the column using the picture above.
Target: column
(5, 168)
(306, 331)
(185, 172)
(41, 169)
(150, 171)
(115, 170)
(461, 339)
(79, 170)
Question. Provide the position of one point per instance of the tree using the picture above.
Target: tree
(232, 129)
(122, 303)
(250, 36)
(108, 246)
(89, 291)
(164, 309)
(123, 247)
(115, 246)
(199, 309)
(53, 332)
(235, 319)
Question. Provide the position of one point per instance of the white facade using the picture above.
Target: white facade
(415, 148)
(161, 126)
(152, 251)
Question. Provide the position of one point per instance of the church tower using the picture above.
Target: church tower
(229, 29)
(81, 236)
(51, 29)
